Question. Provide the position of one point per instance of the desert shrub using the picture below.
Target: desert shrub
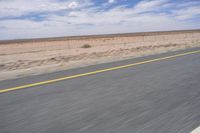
(86, 46)
(2, 65)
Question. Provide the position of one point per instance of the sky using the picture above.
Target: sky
(53, 18)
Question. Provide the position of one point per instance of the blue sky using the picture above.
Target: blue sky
(51, 18)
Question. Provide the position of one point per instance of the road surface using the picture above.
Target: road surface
(157, 97)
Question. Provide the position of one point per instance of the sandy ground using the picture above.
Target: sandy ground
(36, 57)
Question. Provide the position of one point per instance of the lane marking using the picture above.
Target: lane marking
(95, 72)
(197, 130)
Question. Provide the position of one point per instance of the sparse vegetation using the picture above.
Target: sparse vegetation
(86, 46)
(36, 57)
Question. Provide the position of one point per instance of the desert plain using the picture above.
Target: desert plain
(21, 58)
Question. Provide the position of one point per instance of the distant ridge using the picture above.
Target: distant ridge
(97, 36)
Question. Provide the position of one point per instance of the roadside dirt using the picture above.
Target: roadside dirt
(32, 58)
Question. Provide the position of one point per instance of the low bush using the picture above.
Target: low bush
(86, 46)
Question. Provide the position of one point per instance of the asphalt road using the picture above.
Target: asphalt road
(157, 97)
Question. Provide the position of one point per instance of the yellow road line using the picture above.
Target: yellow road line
(94, 72)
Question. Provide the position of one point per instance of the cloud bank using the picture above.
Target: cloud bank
(50, 18)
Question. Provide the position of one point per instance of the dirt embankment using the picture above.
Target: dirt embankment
(22, 58)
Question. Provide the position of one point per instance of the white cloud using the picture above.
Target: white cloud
(188, 13)
(20, 7)
(81, 18)
(111, 1)
(73, 5)
(149, 5)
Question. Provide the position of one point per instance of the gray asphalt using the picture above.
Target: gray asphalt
(159, 97)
